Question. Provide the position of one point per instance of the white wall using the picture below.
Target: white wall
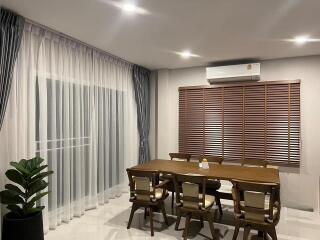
(300, 190)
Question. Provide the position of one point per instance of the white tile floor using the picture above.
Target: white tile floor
(109, 222)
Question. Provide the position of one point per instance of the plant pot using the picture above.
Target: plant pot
(30, 228)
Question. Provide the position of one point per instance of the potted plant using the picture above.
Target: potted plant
(24, 221)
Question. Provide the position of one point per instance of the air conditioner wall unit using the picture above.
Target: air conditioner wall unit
(242, 72)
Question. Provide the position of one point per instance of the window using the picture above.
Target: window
(68, 145)
(237, 121)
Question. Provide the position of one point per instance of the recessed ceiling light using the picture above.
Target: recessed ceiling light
(127, 7)
(187, 54)
(303, 39)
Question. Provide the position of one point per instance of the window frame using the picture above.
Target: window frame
(183, 106)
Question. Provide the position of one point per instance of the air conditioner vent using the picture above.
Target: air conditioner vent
(242, 72)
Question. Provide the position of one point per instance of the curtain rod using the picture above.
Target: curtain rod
(75, 40)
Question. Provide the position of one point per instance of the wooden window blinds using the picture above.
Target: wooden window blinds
(242, 121)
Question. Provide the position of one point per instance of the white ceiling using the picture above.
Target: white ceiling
(217, 30)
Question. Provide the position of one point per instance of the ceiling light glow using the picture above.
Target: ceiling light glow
(186, 54)
(301, 40)
(128, 7)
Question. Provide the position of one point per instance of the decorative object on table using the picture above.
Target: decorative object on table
(24, 221)
(205, 164)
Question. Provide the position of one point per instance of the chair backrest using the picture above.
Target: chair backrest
(212, 159)
(183, 156)
(142, 184)
(190, 190)
(254, 206)
(254, 162)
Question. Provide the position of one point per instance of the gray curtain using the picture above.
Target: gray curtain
(141, 82)
(11, 30)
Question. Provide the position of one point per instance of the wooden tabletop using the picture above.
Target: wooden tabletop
(216, 171)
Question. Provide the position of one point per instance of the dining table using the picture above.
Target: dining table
(215, 171)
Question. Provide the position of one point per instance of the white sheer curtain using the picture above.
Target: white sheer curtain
(74, 107)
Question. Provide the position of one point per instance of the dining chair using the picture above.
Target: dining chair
(225, 191)
(213, 185)
(170, 186)
(254, 162)
(145, 193)
(192, 200)
(251, 210)
(180, 156)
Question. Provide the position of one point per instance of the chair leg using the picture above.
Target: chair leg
(260, 234)
(273, 234)
(172, 201)
(133, 209)
(201, 221)
(219, 205)
(265, 235)
(236, 231)
(185, 231)
(246, 232)
(210, 220)
(145, 213)
(178, 219)
(164, 214)
(151, 222)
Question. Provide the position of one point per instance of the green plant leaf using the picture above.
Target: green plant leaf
(20, 168)
(37, 170)
(15, 189)
(40, 176)
(34, 163)
(16, 209)
(23, 163)
(33, 210)
(36, 198)
(37, 187)
(16, 177)
(9, 197)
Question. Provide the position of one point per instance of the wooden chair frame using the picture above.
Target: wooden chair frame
(271, 220)
(153, 204)
(218, 160)
(202, 212)
(170, 186)
(185, 156)
(254, 162)
(244, 162)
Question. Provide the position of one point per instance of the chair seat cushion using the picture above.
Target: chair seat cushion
(208, 202)
(158, 193)
(225, 189)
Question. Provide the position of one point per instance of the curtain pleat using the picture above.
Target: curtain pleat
(11, 28)
(75, 107)
(141, 82)
(11, 31)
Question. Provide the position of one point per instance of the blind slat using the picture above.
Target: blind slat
(254, 121)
